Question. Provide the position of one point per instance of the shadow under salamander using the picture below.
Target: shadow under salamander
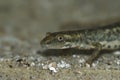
(69, 52)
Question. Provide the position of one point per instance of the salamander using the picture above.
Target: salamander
(100, 38)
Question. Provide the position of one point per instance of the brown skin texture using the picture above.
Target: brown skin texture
(87, 37)
(97, 39)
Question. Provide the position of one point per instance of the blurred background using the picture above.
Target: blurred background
(33, 18)
(25, 22)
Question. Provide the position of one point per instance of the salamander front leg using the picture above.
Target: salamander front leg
(95, 54)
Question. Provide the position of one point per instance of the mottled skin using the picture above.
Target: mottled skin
(106, 37)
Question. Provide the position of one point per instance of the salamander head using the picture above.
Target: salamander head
(57, 40)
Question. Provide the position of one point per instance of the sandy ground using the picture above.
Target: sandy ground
(24, 23)
(22, 59)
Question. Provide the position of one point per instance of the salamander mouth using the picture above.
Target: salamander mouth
(43, 46)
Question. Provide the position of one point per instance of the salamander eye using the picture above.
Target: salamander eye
(60, 38)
